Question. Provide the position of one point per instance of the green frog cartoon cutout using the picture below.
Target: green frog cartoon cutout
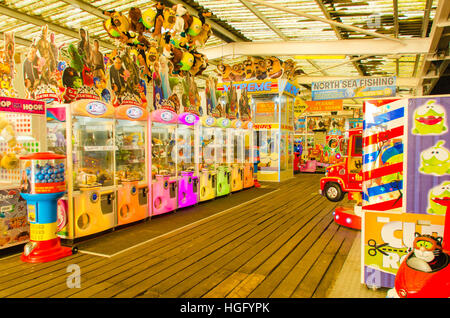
(435, 160)
(429, 119)
(439, 197)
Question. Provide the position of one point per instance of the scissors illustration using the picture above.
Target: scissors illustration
(375, 248)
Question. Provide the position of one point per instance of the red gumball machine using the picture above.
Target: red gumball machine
(42, 184)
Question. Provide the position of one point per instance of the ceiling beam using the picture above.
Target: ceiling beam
(217, 29)
(396, 31)
(12, 13)
(87, 7)
(356, 47)
(338, 33)
(264, 19)
(328, 21)
(441, 15)
(423, 32)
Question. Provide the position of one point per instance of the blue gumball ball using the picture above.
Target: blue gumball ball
(40, 177)
(61, 170)
(50, 180)
(46, 176)
(43, 181)
(50, 170)
(62, 66)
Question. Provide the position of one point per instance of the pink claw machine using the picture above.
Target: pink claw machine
(22, 132)
(164, 182)
(187, 152)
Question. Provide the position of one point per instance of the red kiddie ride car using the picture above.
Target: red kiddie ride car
(345, 177)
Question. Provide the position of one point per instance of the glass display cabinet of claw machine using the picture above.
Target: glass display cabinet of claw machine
(91, 188)
(22, 131)
(249, 180)
(131, 161)
(235, 149)
(223, 170)
(207, 158)
(164, 182)
(274, 125)
(187, 152)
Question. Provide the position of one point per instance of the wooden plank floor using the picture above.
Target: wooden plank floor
(282, 245)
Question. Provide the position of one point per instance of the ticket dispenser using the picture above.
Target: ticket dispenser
(42, 184)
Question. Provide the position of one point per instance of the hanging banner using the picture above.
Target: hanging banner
(332, 105)
(428, 156)
(300, 106)
(354, 88)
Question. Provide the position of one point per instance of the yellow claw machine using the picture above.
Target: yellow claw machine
(235, 150)
(206, 159)
(91, 200)
(274, 126)
(249, 180)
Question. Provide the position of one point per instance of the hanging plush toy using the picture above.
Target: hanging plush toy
(200, 64)
(182, 19)
(118, 27)
(274, 69)
(225, 72)
(237, 72)
(249, 70)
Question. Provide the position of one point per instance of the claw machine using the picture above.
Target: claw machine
(90, 149)
(186, 154)
(206, 159)
(22, 131)
(131, 163)
(274, 126)
(235, 149)
(164, 182)
(222, 159)
(249, 180)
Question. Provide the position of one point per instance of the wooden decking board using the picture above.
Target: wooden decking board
(330, 276)
(34, 278)
(165, 253)
(192, 276)
(233, 262)
(183, 265)
(308, 286)
(270, 257)
(285, 244)
(20, 267)
(219, 240)
(276, 267)
(195, 278)
(312, 278)
(301, 268)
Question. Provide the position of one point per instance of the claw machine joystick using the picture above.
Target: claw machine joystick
(43, 183)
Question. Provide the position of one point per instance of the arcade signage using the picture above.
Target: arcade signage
(22, 105)
(354, 88)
